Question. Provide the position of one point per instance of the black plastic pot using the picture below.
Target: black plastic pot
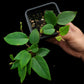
(32, 12)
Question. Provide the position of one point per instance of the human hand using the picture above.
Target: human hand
(74, 42)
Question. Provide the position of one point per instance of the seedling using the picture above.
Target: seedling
(33, 56)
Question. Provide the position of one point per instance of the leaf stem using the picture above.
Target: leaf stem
(62, 38)
(60, 35)
(58, 32)
(21, 27)
(27, 45)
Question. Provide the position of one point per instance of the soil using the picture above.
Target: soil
(37, 20)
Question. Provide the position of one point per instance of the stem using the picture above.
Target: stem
(21, 27)
(60, 35)
(33, 54)
(58, 32)
(27, 45)
(62, 38)
(22, 31)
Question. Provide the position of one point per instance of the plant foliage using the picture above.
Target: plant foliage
(61, 19)
(16, 38)
(65, 17)
(48, 29)
(32, 58)
(64, 30)
(50, 17)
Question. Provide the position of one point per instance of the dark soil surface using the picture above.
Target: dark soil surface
(37, 21)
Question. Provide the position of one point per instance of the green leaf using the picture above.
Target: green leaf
(42, 52)
(59, 38)
(34, 48)
(34, 37)
(48, 29)
(65, 17)
(22, 73)
(20, 55)
(40, 66)
(15, 64)
(16, 38)
(24, 61)
(29, 67)
(24, 57)
(11, 57)
(50, 17)
(64, 30)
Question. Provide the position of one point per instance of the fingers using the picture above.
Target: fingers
(64, 45)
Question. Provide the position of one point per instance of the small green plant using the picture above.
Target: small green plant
(33, 56)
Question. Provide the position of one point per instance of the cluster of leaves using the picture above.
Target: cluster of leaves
(61, 19)
(30, 58)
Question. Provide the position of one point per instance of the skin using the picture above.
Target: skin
(74, 42)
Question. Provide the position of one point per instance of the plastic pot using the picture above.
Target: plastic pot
(36, 13)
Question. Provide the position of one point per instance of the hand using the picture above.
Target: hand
(74, 42)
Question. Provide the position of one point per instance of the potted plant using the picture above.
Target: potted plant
(33, 56)
(35, 16)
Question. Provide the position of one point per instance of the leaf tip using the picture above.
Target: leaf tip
(4, 38)
(50, 79)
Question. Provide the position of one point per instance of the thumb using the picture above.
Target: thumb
(72, 29)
